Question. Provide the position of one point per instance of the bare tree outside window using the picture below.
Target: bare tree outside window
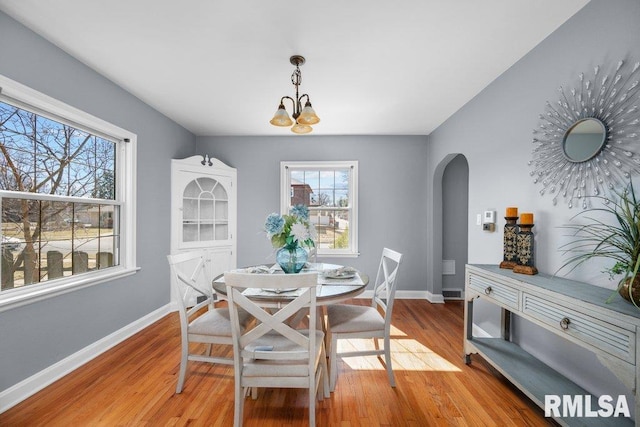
(49, 172)
(326, 193)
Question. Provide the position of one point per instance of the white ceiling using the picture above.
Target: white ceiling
(220, 67)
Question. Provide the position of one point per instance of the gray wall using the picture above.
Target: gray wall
(455, 208)
(37, 335)
(494, 131)
(392, 198)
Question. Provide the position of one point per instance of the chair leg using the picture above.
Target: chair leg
(319, 386)
(325, 375)
(250, 391)
(184, 359)
(387, 358)
(312, 404)
(333, 369)
(239, 404)
(327, 338)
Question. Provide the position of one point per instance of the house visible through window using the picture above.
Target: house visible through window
(63, 179)
(329, 189)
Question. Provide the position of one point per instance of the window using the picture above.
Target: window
(64, 180)
(329, 189)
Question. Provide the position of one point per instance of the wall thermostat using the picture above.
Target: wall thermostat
(489, 217)
(489, 220)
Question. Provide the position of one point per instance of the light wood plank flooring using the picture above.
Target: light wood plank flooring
(134, 384)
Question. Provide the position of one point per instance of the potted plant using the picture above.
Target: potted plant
(617, 239)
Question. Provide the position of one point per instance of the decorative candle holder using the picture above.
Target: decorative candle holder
(525, 248)
(510, 246)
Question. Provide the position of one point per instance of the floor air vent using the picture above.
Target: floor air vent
(452, 293)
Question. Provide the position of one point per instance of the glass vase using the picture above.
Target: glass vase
(291, 260)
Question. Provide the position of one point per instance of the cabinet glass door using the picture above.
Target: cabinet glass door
(205, 211)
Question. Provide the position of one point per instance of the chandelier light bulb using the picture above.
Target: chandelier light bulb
(308, 116)
(281, 117)
(301, 129)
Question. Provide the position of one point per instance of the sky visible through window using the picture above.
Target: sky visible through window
(40, 155)
(329, 188)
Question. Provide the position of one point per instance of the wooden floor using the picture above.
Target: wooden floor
(134, 384)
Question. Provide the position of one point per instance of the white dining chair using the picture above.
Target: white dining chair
(273, 353)
(346, 321)
(193, 292)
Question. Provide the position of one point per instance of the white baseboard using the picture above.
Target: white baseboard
(434, 299)
(26, 388)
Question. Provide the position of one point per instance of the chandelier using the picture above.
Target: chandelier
(304, 117)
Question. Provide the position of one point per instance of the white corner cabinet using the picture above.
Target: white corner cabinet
(575, 311)
(204, 210)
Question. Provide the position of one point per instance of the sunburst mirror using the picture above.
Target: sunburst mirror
(588, 142)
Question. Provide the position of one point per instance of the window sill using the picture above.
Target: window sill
(339, 255)
(34, 293)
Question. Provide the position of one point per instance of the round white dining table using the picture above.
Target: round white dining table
(329, 291)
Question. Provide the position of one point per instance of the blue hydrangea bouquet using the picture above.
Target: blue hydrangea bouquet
(292, 230)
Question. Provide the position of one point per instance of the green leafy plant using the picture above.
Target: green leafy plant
(617, 239)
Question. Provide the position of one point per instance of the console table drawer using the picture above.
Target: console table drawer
(499, 292)
(618, 340)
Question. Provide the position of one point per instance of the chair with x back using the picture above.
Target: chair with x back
(273, 353)
(193, 292)
(346, 321)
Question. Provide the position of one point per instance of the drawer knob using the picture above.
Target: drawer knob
(564, 323)
(488, 290)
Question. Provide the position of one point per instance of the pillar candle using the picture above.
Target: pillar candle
(526, 218)
(512, 212)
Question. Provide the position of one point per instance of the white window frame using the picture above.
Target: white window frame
(22, 96)
(285, 198)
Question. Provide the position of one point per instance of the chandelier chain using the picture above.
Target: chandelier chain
(296, 77)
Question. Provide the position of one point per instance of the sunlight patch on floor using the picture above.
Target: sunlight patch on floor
(407, 354)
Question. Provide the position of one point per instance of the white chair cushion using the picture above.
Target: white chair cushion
(345, 318)
(216, 322)
(278, 368)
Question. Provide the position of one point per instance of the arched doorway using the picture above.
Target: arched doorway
(445, 182)
(455, 226)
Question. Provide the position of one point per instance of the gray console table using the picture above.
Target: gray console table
(573, 310)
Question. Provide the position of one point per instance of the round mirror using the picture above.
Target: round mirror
(584, 140)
